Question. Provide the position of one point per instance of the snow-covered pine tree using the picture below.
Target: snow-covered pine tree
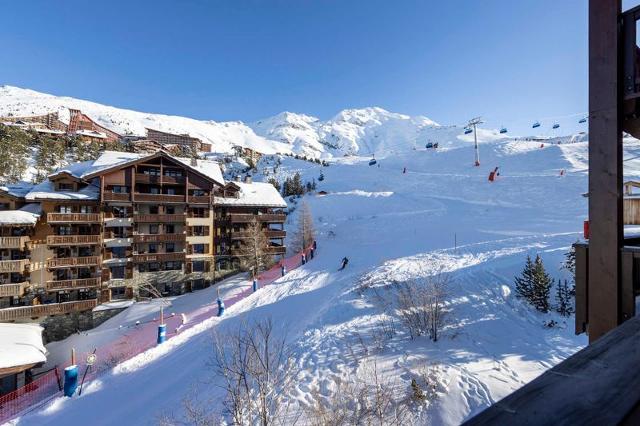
(305, 234)
(524, 283)
(564, 305)
(542, 284)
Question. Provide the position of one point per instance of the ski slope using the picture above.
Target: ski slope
(442, 214)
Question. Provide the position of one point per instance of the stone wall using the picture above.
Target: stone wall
(60, 327)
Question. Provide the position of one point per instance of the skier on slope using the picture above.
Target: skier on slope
(344, 263)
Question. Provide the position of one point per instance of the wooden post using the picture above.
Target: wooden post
(605, 168)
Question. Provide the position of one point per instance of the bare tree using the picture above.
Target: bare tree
(258, 370)
(253, 249)
(422, 305)
(305, 234)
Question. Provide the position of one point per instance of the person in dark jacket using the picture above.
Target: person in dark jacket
(344, 263)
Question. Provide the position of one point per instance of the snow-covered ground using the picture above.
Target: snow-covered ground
(442, 214)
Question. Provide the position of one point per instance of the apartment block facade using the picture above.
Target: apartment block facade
(108, 229)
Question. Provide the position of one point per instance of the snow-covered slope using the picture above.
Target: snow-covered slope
(441, 215)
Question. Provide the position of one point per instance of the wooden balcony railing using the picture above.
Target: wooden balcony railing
(245, 218)
(152, 238)
(66, 262)
(12, 290)
(199, 199)
(159, 218)
(74, 217)
(158, 257)
(9, 314)
(276, 250)
(156, 179)
(13, 242)
(269, 233)
(65, 240)
(13, 265)
(173, 179)
(116, 196)
(159, 198)
(71, 284)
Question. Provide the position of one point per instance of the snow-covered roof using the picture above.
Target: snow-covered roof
(26, 215)
(19, 189)
(46, 190)
(254, 194)
(208, 168)
(50, 131)
(21, 344)
(91, 133)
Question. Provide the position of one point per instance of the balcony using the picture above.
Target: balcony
(269, 233)
(159, 198)
(9, 314)
(67, 262)
(246, 218)
(159, 218)
(13, 242)
(158, 257)
(68, 240)
(152, 238)
(199, 199)
(276, 250)
(156, 179)
(12, 290)
(73, 284)
(74, 217)
(116, 196)
(13, 265)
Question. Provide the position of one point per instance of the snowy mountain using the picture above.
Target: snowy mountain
(364, 132)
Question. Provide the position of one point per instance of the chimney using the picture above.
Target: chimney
(194, 162)
(236, 178)
(247, 179)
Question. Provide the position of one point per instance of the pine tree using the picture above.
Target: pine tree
(542, 284)
(273, 181)
(524, 283)
(564, 306)
(305, 234)
(418, 395)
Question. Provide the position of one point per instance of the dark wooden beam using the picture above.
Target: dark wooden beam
(605, 168)
(600, 385)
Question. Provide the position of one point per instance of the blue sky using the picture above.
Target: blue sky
(509, 61)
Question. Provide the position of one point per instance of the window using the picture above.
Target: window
(153, 210)
(153, 229)
(5, 206)
(198, 193)
(171, 191)
(169, 229)
(198, 248)
(118, 189)
(119, 252)
(85, 251)
(172, 266)
(64, 230)
(154, 267)
(65, 209)
(117, 273)
(198, 266)
(154, 190)
(170, 210)
(170, 247)
(119, 212)
(153, 248)
(65, 186)
(84, 273)
(86, 209)
(170, 172)
(151, 172)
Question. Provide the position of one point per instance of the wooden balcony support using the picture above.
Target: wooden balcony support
(9, 314)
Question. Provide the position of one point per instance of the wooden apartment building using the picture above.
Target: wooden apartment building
(103, 230)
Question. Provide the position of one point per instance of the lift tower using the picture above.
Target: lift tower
(473, 123)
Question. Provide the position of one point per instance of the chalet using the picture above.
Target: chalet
(21, 349)
(106, 229)
(80, 122)
(49, 121)
(184, 140)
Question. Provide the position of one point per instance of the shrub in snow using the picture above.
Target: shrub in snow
(564, 302)
(422, 305)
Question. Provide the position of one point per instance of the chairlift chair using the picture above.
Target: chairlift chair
(556, 125)
(467, 130)
(373, 161)
(536, 124)
(503, 130)
(582, 120)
